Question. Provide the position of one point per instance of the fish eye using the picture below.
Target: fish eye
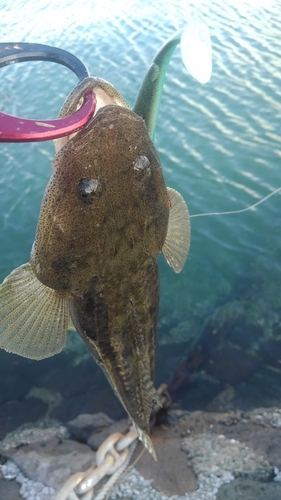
(87, 188)
(142, 167)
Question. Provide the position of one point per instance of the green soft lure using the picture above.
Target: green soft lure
(196, 52)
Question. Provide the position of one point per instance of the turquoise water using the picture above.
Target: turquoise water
(219, 143)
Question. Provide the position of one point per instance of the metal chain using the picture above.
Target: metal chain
(112, 459)
(111, 456)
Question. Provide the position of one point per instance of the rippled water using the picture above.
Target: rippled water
(219, 143)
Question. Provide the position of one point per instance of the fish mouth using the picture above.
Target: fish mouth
(105, 95)
(102, 100)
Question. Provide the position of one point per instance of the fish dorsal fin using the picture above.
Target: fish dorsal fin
(33, 317)
(177, 242)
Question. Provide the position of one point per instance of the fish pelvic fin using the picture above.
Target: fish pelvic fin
(146, 440)
(177, 242)
(33, 317)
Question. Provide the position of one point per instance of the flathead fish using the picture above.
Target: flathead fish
(105, 215)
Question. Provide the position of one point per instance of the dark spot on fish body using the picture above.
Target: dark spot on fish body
(87, 310)
(63, 283)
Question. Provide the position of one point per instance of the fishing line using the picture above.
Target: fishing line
(199, 64)
(241, 210)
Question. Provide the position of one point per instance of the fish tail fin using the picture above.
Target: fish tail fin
(146, 440)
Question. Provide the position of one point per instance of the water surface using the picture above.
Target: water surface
(219, 143)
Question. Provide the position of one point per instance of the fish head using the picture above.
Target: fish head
(106, 201)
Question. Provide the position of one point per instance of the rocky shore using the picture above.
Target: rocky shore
(200, 455)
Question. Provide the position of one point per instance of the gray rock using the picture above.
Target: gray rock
(247, 489)
(267, 417)
(215, 454)
(28, 489)
(52, 462)
(28, 434)
(85, 424)
(175, 415)
(9, 490)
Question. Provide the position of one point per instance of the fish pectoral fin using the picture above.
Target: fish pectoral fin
(33, 317)
(177, 242)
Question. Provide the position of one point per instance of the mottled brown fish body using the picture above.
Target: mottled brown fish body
(118, 320)
(103, 221)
